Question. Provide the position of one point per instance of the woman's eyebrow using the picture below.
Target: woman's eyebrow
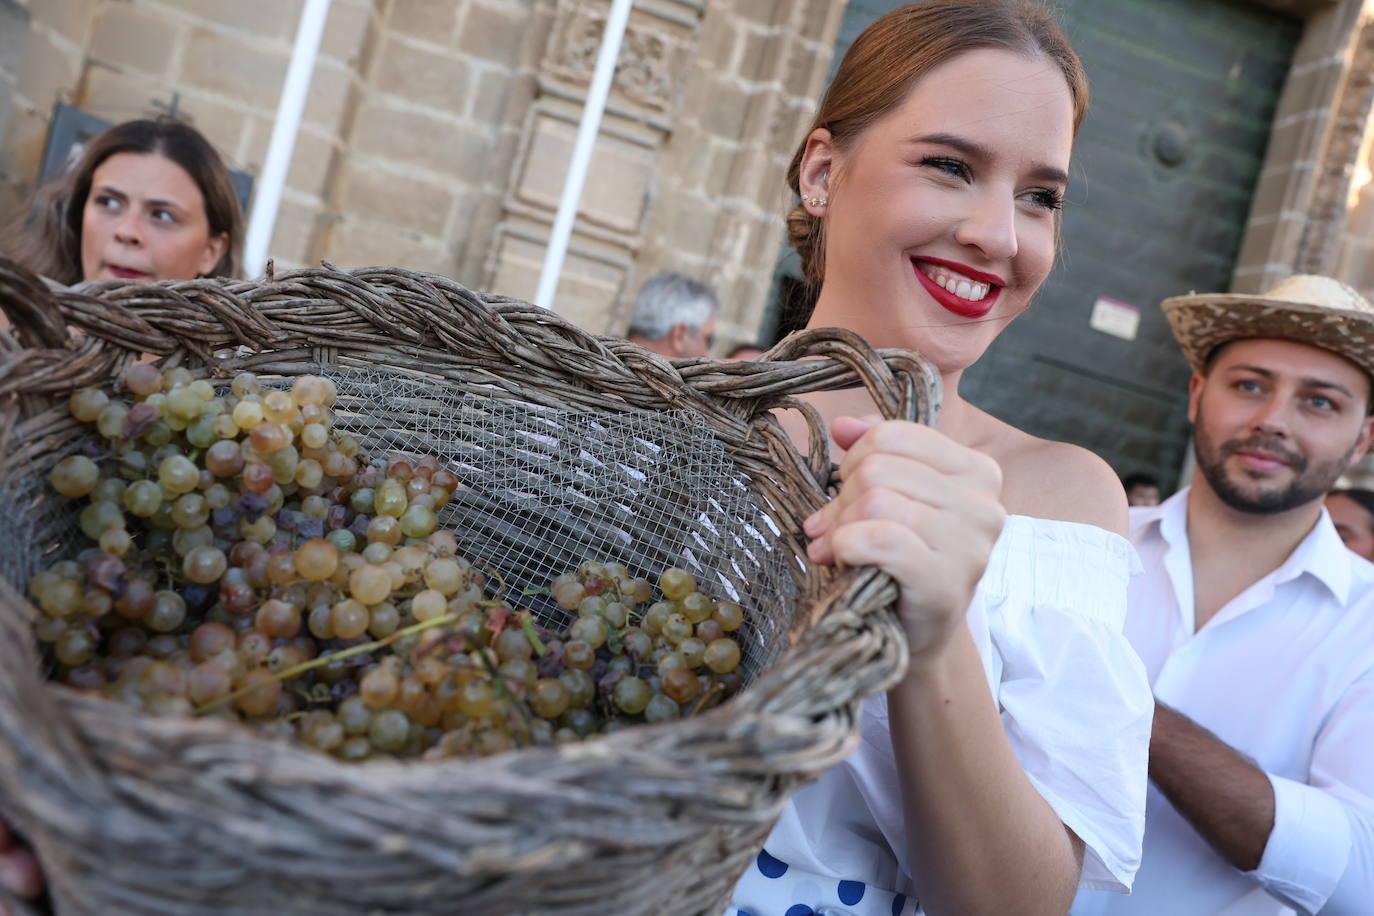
(978, 151)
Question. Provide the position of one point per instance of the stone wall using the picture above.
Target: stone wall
(397, 135)
(1304, 216)
(427, 142)
(437, 132)
(687, 172)
(222, 62)
(753, 92)
(14, 38)
(1355, 258)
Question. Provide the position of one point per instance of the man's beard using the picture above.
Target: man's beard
(1309, 483)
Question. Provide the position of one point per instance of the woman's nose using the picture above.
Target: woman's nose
(127, 229)
(990, 226)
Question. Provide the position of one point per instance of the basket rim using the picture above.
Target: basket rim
(432, 319)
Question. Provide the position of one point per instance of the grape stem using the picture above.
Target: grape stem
(715, 689)
(322, 660)
(500, 582)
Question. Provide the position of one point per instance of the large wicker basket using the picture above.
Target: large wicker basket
(131, 814)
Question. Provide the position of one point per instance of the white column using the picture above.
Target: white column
(267, 193)
(582, 151)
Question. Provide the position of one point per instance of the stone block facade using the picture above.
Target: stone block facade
(1309, 212)
(437, 133)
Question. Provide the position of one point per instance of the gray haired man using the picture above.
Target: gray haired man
(675, 316)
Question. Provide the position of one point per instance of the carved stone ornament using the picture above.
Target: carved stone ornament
(651, 64)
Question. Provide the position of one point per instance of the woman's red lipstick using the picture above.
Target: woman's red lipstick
(964, 308)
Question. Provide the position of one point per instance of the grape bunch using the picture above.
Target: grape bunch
(248, 561)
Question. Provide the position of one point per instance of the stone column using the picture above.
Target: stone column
(753, 90)
(708, 99)
(640, 115)
(1299, 213)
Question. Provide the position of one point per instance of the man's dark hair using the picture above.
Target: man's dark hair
(1364, 498)
(1139, 479)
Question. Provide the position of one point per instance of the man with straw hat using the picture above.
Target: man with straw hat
(1255, 624)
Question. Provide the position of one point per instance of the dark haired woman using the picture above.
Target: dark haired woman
(148, 200)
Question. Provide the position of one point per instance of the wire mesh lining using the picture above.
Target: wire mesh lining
(38, 527)
(542, 491)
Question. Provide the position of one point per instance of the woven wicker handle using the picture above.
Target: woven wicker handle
(856, 611)
(903, 384)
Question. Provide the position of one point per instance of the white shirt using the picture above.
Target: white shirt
(1074, 702)
(1284, 674)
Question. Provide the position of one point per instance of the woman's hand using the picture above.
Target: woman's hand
(19, 873)
(921, 507)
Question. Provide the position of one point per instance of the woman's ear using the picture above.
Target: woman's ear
(215, 247)
(817, 169)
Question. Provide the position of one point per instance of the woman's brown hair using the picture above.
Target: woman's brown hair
(47, 239)
(885, 61)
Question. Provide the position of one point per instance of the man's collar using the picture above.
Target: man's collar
(1321, 552)
(1324, 555)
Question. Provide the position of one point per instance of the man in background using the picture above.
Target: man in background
(675, 316)
(1255, 624)
(1141, 489)
(1352, 510)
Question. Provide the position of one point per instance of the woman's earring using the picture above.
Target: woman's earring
(817, 201)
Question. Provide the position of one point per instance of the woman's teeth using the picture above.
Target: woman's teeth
(962, 287)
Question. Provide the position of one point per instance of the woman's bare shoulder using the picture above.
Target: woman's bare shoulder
(1056, 480)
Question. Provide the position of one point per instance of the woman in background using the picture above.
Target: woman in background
(148, 200)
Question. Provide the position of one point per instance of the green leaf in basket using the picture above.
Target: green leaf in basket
(534, 591)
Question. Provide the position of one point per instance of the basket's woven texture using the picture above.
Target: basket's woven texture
(138, 815)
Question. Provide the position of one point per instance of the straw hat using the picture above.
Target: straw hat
(1303, 308)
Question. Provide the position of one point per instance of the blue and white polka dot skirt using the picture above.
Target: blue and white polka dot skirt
(771, 887)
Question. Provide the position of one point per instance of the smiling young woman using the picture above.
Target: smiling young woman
(148, 200)
(1009, 765)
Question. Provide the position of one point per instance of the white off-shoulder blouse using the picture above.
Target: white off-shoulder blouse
(1074, 700)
